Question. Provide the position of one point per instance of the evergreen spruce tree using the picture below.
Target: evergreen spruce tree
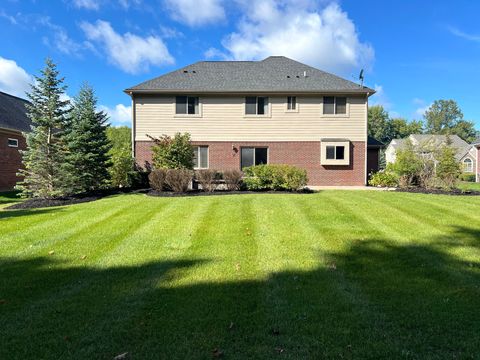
(44, 160)
(87, 144)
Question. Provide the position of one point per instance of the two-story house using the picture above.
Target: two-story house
(13, 122)
(242, 113)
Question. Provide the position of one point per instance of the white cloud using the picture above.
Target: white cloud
(422, 106)
(10, 18)
(463, 35)
(196, 12)
(87, 4)
(119, 115)
(380, 98)
(14, 79)
(323, 37)
(127, 3)
(129, 52)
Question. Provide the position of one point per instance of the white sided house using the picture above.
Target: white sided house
(243, 113)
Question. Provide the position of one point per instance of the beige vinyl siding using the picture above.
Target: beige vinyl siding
(224, 119)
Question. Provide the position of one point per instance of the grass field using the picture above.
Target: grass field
(469, 186)
(338, 274)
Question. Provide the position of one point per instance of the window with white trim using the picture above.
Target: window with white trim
(200, 157)
(186, 105)
(250, 156)
(12, 142)
(467, 165)
(291, 103)
(256, 105)
(335, 152)
(334, 105)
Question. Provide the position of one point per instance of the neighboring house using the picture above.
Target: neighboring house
(241, 113)
(13, 121)
(476, 145)
(466, 153)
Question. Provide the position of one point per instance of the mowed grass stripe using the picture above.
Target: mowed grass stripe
(58, 223)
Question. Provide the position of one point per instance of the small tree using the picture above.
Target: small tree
(173, 153)
(407, 165)
(87, 143)
(122, 163)
(45, 169)
(448, 168)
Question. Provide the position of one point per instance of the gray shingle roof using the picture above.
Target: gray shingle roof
(273, 74)
(13, 113)
(458, 143)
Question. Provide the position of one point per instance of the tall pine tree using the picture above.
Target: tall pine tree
(87, 144)
(44, 160)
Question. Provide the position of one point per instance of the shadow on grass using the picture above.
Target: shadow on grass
(9, 197)
(376, 300)
(6, 214)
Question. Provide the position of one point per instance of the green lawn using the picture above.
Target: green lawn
(469, 186)
(338, 274)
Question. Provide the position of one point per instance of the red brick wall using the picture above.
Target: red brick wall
(304, 154)
(10, 159)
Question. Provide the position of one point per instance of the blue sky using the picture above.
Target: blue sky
(413, 52)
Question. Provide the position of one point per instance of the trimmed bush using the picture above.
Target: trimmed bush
(178, 179)
(233, 179)
(275, 177)
(156, 179)
(384, 178)
(467, 177)
(206, 178)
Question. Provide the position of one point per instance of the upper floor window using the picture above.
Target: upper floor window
(256, 105)
(186, 105)
(334, 105)
(291, 103)
(12, 142)
(200, 157)
(467, 165)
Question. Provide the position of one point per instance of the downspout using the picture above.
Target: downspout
(366, 139)
(133, 125)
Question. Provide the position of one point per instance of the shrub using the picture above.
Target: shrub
(275, 177)
(178, 179)
(207, 178)
(172, 153)
(233, 179)
(122, 173)
(467, 177)
(156, 179)
(407, 165)
(384, 178)
(426, 175)
(448, 168)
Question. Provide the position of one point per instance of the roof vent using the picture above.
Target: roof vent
(288, 76)
(185, 71)
(305, 73)
(298, 77)
(193, 71)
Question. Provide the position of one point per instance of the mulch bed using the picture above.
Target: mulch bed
(221, 192)
(67, 200)
(439, 191)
